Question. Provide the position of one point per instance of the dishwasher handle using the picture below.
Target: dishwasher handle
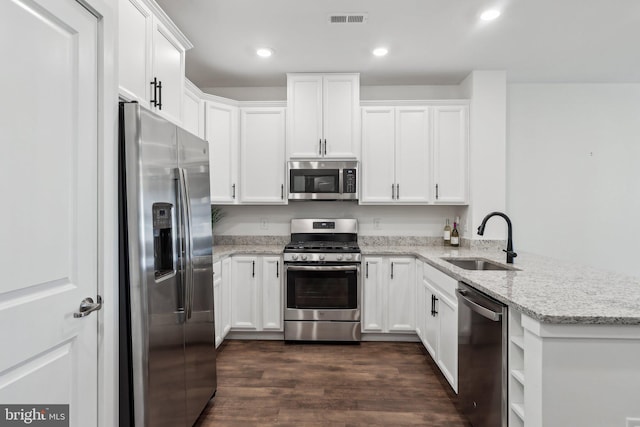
(481, 310)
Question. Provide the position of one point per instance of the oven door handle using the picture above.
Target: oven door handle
(322, 268)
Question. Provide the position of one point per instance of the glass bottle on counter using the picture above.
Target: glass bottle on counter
(455, 236)
(447, 234)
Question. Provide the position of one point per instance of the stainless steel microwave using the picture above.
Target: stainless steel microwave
(323, 180)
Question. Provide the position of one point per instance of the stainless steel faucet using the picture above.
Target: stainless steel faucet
(510, 253)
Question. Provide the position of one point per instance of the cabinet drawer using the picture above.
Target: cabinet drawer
(437, 278)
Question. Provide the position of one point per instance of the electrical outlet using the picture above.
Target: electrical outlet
(633, 422)
(264, 223)
(376, 223)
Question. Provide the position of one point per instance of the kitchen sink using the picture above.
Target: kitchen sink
(478, 264)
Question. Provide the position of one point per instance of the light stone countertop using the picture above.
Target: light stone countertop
(545, 289)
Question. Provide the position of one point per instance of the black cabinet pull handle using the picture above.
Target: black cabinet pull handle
(436, 191)
(393, 192)
(397, 191)
(277, 268)
(320, 147)
(325, 147)
(366, 270)
(435, 300)
(432, 304)
(253, 266)
(159, 94)
(233, 195)
(392, 270)
(154, 101)
(281, 191)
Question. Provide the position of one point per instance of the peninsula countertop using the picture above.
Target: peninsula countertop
(546, 289)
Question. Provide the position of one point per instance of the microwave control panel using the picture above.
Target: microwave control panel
(349, 181)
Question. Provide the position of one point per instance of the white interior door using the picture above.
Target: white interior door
(48, 223)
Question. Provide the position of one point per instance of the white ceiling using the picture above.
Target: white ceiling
(429, 41)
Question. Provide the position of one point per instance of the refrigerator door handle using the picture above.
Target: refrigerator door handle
(188, 251)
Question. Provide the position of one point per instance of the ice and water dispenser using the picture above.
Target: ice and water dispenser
(163, 239)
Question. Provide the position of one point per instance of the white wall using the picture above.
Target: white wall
(487, 92)
(393, 220)
(574, 172)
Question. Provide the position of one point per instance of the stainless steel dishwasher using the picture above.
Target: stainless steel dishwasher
(482, 358)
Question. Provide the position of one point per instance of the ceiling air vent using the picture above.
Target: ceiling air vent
(348, 18)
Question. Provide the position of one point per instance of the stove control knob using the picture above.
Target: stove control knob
(321, 257)
(349, 256)
(303, 257)
(294, 257)
(339, 257)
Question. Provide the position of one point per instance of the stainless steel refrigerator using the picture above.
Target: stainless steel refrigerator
(167, 349)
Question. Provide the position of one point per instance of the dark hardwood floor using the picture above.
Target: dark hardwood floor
(270, 383)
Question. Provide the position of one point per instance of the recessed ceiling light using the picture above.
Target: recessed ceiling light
(264, 52)
(490, 15)
(380, 51)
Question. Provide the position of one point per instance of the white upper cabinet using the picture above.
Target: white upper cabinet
(193, 110)
(134, 47)
(151, 61)
(450, 142)
(378, 155)
(395, 155)
(324, 117)
(262, 155)
(407, 150)
(222, 134)
(412, 155)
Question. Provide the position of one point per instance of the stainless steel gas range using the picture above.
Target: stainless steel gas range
(322, 281)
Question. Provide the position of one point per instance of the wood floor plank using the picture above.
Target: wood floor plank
(270, 383)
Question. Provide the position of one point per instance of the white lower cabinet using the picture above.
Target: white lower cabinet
(256, 293)
(217, 302)
(271, 293)
(440, 328)
(222, 299)
(389, 295)
(226, 297)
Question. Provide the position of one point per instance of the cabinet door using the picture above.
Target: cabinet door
(431, 324)
(217, 302)
(341, 115)
(226, 298)
(134, 49)
(420, 309)
(412, 155)
(304, 109)
(378, 154)
(222, 134)
(193, 113)
(262, 161)
(244, 293)
(450, 141)
(401, 295)
(372, 296)
(272, 293)
(447, 354)
(168, 68)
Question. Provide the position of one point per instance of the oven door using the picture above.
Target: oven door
(322, 292)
